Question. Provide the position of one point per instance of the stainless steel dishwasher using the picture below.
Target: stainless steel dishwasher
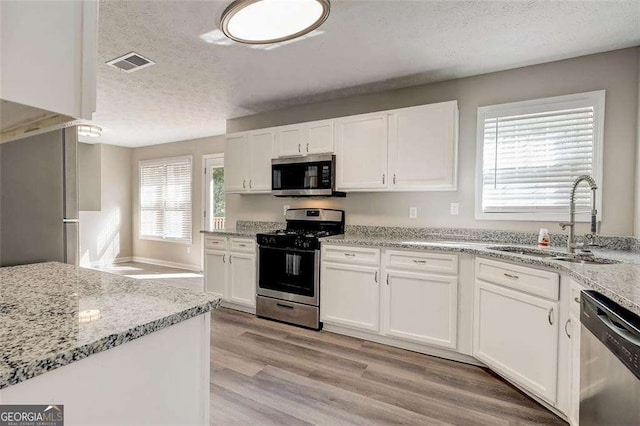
(609, 363)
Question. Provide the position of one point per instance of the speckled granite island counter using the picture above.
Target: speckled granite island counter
(112, 349)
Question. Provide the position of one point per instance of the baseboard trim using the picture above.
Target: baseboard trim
(238, 307)
(410, 346)
(166, 263)
(99, 263)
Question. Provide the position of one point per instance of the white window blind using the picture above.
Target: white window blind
(165, 199)
(532, 153)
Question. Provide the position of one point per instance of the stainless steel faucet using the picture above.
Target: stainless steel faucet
(571, 244)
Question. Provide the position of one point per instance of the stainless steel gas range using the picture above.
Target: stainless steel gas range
(289, 266)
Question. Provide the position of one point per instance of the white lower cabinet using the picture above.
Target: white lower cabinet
(573, 330)
(350, 296)
(232, 273)
(516, 334)
(242, 279)
(215, 272)
(420, 307)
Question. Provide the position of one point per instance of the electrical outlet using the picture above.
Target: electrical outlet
(413, 212)
(285, 208)
(455, 208)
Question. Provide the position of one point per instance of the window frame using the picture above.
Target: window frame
(164, 161)
(594, 98)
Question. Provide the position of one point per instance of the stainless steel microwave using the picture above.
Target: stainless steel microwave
(310, 176)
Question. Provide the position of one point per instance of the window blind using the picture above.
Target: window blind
(165, 199)
(531, 160)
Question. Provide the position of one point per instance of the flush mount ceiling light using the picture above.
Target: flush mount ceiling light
(272, 21)
(89, 130)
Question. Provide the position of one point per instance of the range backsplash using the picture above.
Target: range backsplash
(460, 234)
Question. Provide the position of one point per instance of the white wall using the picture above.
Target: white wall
(616, 72)
(106, 235)
(182, 254)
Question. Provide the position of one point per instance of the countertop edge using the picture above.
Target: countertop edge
(39, 367)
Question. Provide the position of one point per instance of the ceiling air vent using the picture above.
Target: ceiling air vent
(130, 62)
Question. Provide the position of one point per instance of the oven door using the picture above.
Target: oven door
(289, 274)
(312, 175)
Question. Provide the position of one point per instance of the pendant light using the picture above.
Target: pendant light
(272, 21)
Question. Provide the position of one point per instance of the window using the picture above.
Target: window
(529, 153)
(165, 199)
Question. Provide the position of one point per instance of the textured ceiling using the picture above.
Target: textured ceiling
(365, 46)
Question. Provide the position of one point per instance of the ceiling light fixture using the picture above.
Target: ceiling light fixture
(89, 130)
(272, 21)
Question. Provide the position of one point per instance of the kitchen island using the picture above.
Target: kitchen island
(111, 349)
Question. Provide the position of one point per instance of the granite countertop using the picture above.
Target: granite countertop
(619, 281)
(40, 306)
(233, 232)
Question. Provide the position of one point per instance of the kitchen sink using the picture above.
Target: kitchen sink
(585, 260)
(524, 251)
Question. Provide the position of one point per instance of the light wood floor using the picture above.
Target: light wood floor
(268, 373)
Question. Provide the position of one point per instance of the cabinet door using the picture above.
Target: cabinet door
(517, 335)
(361, 152)
(215, 272)
(423, 144)
(290, 140)
(421, 307)
(350, 296)
(242, 279)
(573, 330)
(319, 137)
(260, 154)
(236, 164)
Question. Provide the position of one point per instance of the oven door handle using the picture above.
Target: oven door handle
(293, 250)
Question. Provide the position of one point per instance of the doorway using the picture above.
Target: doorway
(214, 200)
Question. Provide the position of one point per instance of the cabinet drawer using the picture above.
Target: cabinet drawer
(215, 243)
(242, 245)
(528, 280)
(422, 261)
(355, 255)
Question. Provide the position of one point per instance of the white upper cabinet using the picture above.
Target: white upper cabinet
(236, 161)
(49, 55)
(315, 137)
(361, 152)
(319, 137)
(423, 144)
(248, 162)
(289, 140)
(260, 152)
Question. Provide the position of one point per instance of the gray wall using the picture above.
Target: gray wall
(182, 254)
(106, 234)
(89, 176)
(617, 72)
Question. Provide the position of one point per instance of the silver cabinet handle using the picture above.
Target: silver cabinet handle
(250, 181)
(223, 258)
(515, 277)
(307, 147)
(383, 176)
(299, 149)
(350, 254)
(375, 278)
(549, 316)
(565, 328)
(394, 178)
(387, 279)
(230, 259)
(576, 299)
(244, 184)
(419, 261)
(242, 245)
